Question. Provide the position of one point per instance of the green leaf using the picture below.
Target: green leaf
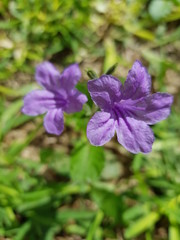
(110, 53)
(8, 191)
(137, 162)
(145, 34)
(95, 224)
(87, 163)
(22, 231)
(159, 9)
(141, 225)
(112, 204)
(75, 229)
(134, 212)
(174, 233)
(66, 215)
(34, 204)
(7, 118)
(52, 232)
(17, 92)
(17, 146)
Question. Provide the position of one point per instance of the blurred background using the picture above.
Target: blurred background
(61, 187)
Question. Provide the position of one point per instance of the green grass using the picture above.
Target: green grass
(47, 190)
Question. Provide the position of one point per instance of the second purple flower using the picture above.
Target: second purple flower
(59, 95)
(127, 110)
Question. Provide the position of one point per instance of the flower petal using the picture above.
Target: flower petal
(70, 77)
(154, 108)
(136, 136)
(38, 102)
(54, 122)
(48, 76)
(75, 102)
(105, 91)
(100, 129)
(138, 82)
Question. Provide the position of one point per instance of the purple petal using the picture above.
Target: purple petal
(75, 102)
(136, 136)
(105, 91)
(100, 129)
(70, 77)
(154, 108)
(38, 102)
(54, 122)
(138, 82)
(48, 76)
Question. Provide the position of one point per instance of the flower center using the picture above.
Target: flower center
(117, 111)
(60, 101)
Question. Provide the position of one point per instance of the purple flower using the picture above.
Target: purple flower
(127, 110)
(59, 95)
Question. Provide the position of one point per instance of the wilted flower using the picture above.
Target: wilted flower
(59, 95)
(127, 109)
